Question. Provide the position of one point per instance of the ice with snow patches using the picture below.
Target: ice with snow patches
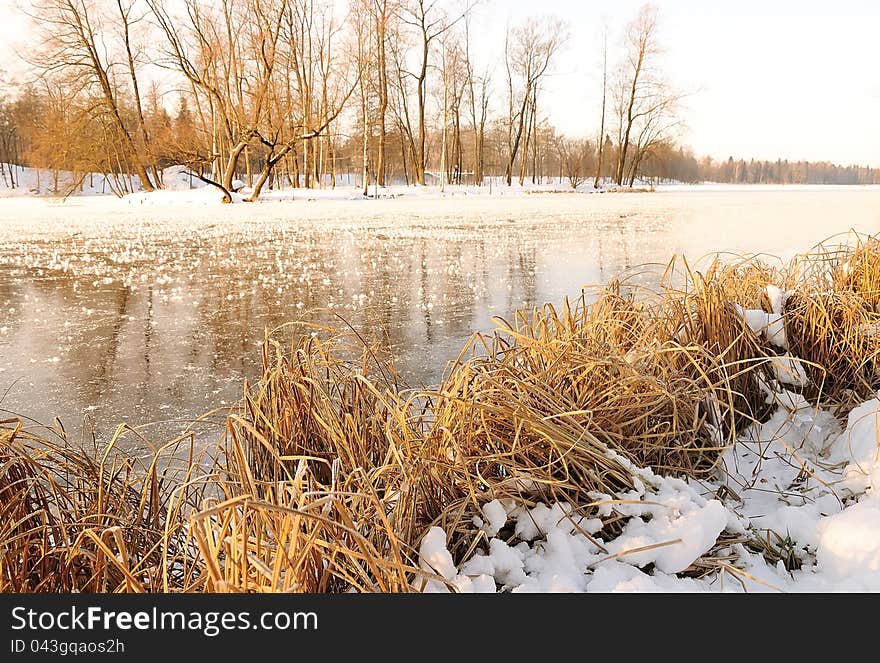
(797, 475)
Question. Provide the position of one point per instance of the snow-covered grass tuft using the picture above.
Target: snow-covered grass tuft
(784, 515)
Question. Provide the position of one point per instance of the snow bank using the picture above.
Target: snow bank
(848, 550)
(859, 447)
(798, 476)
(553, 548)
(179, 182)
(27, 182)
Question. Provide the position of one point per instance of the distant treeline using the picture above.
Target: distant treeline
(33, 133)
(680, 164)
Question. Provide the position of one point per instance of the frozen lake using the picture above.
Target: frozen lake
(154, 314)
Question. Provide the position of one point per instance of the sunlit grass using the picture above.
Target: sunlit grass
(331, 469)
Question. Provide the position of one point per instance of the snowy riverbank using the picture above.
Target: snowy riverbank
(180, 185)
(798, 481)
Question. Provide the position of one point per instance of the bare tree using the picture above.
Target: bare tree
(77, 41)
(641, 45)
(228, 53)
(574, 157)
(656, 124)
(128, 21)
(479, 107)
(646, 105)
(10, 154)
(454, 81)
(430, 21)
(401, 104)
(384, 12)
(604, 92)
(309, 94)
(363, 57)
(529, 50)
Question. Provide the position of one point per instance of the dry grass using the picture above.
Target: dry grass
(74, 520)
(331, 470)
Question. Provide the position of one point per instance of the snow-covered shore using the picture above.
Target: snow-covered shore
(798, 481)
(181, 186)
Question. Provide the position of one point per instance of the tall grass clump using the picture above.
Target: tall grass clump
(320, 476)
(72, 519)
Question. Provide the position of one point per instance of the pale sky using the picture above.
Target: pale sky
(795, 79)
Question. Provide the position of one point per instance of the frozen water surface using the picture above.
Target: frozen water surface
(153, 314)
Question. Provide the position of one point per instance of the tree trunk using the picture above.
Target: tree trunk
(247, 165)
(602, 123)
(307, 174)
(365, 146)
(383, 96)
(232, 164)
(142, 125)
(331, 155)
(423, 75)
(267, 171)
(403, 157)
(536, 176)
(445, 128)
(621, 161)
(517, 138)
(526, 143)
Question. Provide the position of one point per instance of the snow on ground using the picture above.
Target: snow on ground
(797, 481)
(18, 181)
(723, 186)
(347, 191)
(180, 185)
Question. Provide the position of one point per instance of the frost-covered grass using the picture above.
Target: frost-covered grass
(718, 433)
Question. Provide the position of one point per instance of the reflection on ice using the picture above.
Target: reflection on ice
(141, 315)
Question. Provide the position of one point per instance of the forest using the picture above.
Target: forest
(313, 93)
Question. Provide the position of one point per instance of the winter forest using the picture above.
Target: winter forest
(312, 93)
